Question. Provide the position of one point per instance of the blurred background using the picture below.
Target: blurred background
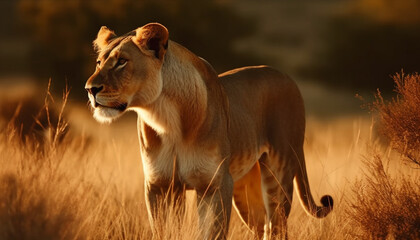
(333, 48)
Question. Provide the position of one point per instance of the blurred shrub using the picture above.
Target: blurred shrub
(62, 31)
(28, 209)
(366, 42)
(400, 117)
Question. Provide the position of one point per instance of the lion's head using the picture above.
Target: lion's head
(128, 70)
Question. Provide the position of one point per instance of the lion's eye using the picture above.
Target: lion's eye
(98, 62)
(121, 61)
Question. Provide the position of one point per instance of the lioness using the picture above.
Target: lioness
(239, 134)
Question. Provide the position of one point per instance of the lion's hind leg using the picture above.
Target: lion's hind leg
(277, 186)
(248, 200)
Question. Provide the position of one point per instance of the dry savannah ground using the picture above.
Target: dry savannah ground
(75, 179)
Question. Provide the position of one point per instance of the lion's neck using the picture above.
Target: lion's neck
(181, 109)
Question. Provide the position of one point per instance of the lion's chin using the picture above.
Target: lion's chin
(106, 115)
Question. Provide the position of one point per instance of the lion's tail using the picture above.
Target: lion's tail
(306, 199)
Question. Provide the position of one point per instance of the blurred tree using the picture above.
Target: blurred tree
(62, 31)
(389, 11)
(367, 43)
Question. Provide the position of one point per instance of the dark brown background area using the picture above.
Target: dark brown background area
(343, 44)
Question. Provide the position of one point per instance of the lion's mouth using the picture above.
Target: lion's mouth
(120, 107)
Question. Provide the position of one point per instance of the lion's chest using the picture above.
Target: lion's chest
(192, 166)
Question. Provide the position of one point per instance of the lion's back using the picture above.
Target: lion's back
(261, 90)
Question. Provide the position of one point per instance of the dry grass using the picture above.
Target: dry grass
(400, 118)
(384, 205)
(33, 119)
(90, 186)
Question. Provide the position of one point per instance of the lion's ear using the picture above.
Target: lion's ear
(153, 36)
(104, 37)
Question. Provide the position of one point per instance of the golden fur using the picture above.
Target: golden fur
(236, 135)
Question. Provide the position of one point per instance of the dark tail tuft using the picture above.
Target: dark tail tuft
(327, 201)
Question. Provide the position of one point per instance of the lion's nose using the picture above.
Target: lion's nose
(94, 90)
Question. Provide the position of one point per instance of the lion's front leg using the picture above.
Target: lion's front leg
(214, 208)
(159, 200)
